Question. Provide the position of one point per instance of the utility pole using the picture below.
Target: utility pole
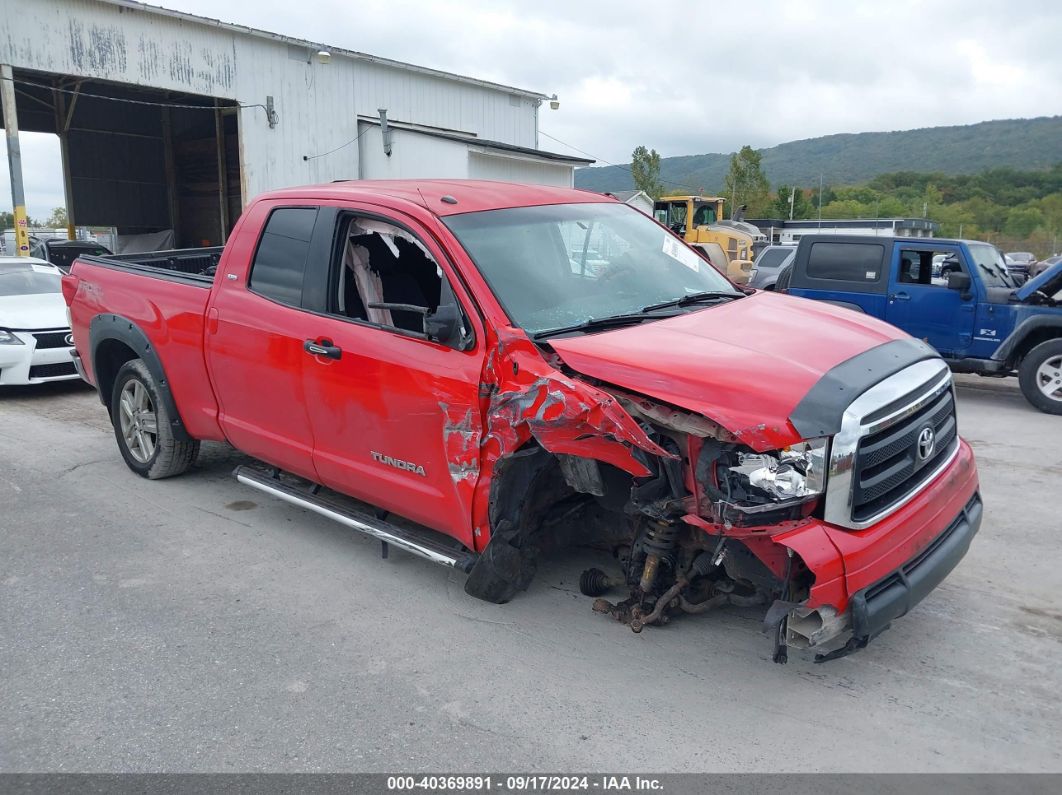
(14, 160)
(792, 196)
(820, 201)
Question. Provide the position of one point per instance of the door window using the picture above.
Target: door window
(383, 275)
(280, 261)
(928, 267)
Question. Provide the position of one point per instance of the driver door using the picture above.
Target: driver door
(396, 417)
(922, 305)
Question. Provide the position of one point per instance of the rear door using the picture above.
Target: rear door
(396, 416)
(255, 331)
(920, 302)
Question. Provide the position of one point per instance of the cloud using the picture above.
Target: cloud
(688, 78)
(42, 174)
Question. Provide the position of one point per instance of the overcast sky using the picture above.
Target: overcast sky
(689, 77)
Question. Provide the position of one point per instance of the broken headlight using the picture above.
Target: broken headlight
(744, 487)
(796, 472)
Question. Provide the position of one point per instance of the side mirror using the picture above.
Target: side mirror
(446, 326)
(957, 280)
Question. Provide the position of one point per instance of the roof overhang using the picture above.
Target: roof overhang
(482, 146)
(353, 54)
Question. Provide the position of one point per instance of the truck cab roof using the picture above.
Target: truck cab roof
(444, 197)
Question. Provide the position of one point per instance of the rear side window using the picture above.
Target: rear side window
(845, 262)
(280, 261)
(773, 257)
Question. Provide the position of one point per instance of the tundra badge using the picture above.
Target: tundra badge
(398, 463)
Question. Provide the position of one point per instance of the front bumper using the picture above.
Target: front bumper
(875, 607)
(28, 364)
(864, 579)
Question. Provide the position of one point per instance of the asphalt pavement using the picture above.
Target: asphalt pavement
(193, 624)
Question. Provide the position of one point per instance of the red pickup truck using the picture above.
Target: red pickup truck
(497, 367)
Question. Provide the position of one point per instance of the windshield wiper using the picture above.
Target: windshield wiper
(992, 271)
(598, 323)
(694, 298)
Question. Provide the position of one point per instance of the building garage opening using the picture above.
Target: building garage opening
(161, 167)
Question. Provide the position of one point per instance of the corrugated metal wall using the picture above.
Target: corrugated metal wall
(317, 104)
(517, 169)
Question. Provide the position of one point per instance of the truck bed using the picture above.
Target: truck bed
(189, 264)
(165, 295)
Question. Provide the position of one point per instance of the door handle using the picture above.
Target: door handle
(900, 297)
(323, 348)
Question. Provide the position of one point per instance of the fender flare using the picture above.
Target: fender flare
(115, 327)
(1006, 349)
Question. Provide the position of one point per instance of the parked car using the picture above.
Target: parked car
(62, 253)
(974, 314)
(768, 265)
(1019, 262)
(427, 347)
(1043, 265)
(35, 341)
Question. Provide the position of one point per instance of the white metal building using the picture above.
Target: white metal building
(169, 120)
(782, 231)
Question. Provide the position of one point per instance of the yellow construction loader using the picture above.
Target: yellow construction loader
(699, 219)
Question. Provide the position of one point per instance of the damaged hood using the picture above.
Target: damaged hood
(745, 364)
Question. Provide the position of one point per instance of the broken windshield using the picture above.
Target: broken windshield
(561, 265)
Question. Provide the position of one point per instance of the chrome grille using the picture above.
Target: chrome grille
(888, 463)
(880, 458)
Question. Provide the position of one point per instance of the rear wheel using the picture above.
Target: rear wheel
(1040, 376)
(142, 426)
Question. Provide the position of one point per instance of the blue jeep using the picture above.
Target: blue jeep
(954, 294)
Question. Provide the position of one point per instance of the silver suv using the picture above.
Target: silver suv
(769, 263)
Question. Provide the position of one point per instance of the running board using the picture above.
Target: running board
(391, 535)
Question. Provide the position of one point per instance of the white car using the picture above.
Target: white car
(35, 340)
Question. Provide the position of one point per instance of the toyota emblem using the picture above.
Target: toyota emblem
(927, 441)
(69, 340)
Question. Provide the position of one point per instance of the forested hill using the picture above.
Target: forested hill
(848, 159)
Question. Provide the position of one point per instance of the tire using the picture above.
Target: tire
(135, 409)
(1040, 376)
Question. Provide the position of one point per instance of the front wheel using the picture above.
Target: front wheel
(142, 426)
(1040, 376)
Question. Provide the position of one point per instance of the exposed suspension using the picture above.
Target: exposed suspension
(658, 543)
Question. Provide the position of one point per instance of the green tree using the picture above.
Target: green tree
(1051, 207)
(57, 218)
(645, 169)
(1021, 221)
(846, 208)
(780, 207)
(746, 183)
(7, 220)
(828, 195)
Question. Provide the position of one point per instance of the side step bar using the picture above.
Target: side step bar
(415, 543)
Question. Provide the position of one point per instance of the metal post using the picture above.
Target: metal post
(223, 180)
(172, 198)
(63, 117)
(14, 160)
